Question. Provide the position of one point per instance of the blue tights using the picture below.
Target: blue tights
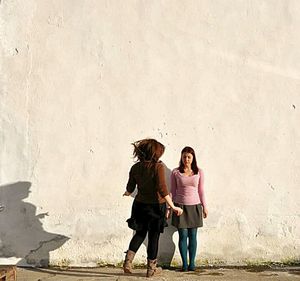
(191, 235)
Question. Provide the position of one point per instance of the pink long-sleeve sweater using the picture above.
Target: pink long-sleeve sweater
(187, 190)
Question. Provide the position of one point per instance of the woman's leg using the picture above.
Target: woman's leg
(152, 250)
(192, 233)
(137, 240)
(153, 240)
(134, 245)
(183, 235)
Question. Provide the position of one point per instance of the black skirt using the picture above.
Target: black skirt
(190, 218)
(147, 216)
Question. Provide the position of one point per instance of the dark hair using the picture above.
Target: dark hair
(194, 166)
(148, 150)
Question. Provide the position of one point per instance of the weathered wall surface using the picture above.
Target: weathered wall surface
(81, 80)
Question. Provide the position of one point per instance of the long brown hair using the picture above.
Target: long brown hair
(148, 150)
(194, 165)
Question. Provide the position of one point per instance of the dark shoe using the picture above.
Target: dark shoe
(184, 269)
(192, 268)
(127, 265)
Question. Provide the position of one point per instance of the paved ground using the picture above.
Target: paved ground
(114, 274)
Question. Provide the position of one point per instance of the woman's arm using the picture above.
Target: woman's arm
(175, 209)
(131, 184)
(162, 189)
(172, 193)
(173, 186)
(201, 193)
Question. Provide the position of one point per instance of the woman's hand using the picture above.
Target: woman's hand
(178, 211)
(126, 193)
(205, 212)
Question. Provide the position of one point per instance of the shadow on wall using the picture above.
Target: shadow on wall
(166, 245)
(21, 231)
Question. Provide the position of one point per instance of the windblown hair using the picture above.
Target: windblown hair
(148, 150)
(194, 165)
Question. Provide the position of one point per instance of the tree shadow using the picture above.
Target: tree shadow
(21, 231)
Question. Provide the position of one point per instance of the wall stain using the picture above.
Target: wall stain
(271, 186)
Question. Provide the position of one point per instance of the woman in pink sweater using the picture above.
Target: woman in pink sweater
(187, 193)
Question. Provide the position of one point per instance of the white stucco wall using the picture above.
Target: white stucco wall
(81, 80)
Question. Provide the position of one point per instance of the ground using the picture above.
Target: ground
(203, 274)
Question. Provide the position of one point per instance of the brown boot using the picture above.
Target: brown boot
(127, 265)
(152, 269)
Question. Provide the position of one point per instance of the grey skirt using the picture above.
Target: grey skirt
(190, 218)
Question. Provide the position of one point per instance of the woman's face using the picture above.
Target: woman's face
(187, 159)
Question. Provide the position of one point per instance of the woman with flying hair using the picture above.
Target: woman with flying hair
(148, 213)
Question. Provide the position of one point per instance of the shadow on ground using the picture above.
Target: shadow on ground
(82, 272)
